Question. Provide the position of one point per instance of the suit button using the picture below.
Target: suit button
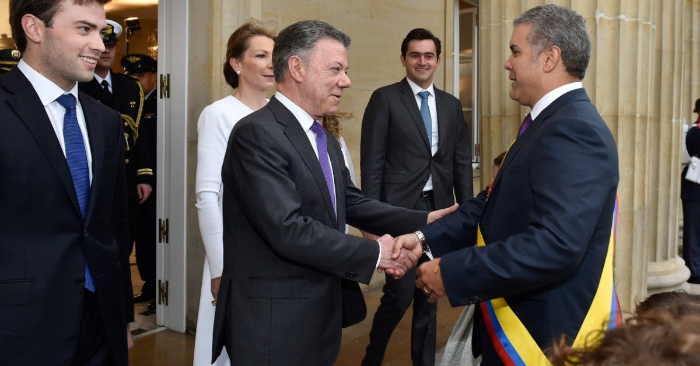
(126, 124)
(350, 274)
(127, 161)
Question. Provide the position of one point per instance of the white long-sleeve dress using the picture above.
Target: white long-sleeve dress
(214, 127)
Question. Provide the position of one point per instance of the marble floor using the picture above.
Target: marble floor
(166, 347)
(144, 319)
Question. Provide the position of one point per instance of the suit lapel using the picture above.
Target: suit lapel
(297, 136)
(574, 95)
(95, 131)
(337, 162)
(31, 111)
(118, 93)
(441, 117)
(409, 100)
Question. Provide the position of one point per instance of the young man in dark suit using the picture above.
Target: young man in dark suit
(290, 275)
(416, 154)
(543, 249)
(65, 293)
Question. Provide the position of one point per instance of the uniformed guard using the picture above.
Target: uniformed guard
(144, 68)
(9, 58)
(124, 94)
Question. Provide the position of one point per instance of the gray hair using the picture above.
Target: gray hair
(298, 39)
(554, 25)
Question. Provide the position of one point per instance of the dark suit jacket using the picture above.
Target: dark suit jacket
(44, 239)
(127, 99)
(546, 225)
(395, 155)
(285, 250)
(691, 191)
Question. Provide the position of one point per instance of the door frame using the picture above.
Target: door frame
(172, 207)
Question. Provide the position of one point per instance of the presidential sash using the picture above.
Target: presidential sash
(513, 341)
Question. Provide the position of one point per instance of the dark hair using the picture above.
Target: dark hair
(554, 25)
(45, 10)
(298, 39)
(238, 43)
(652, 339)
(675, 303)
(697, 107)
(420, 34)
(498, 161)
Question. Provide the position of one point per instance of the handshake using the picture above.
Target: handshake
(401, 253)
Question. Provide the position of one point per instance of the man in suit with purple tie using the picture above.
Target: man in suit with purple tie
(290, 275)
(534, 252)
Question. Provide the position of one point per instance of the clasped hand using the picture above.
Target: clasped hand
(395, 263)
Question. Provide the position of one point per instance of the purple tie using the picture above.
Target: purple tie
(526, 122)
(323, 158)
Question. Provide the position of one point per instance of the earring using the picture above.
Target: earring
(238, 72)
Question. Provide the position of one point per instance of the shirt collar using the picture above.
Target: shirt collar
(550, 97)
(108, 78)
(47, 90)
(417, 89)
(305, 119)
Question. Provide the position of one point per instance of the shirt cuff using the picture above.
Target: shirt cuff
(379, 259)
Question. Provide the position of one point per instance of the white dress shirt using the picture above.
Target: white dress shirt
(108, 78)
(48, 93)
(305, 120)
(433, 119)
(553, 95)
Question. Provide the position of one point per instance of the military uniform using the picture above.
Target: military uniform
(146, 239)
(9, 58)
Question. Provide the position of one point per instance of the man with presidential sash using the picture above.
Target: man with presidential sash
(535, 254)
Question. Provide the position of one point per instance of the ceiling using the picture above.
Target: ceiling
(120, 9)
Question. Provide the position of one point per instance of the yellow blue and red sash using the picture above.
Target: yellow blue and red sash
(513, 341)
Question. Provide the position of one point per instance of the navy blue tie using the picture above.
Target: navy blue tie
(77, 163)
(425, 113)
(322, 146)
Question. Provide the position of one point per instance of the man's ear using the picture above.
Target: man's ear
(552, 57)
(297, 68)
(34, 28)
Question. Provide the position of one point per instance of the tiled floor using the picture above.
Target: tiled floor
(154, 346)
(173, 349)
(144, 319)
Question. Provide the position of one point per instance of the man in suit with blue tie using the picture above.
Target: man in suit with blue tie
(415, 154)
(535, 254)
(65, 289)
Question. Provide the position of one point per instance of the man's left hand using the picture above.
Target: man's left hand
(144, 190)
(429, 279)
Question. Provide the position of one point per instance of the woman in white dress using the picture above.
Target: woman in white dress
(248, 69)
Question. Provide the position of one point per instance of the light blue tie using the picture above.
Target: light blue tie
(425, 113)
(77, 164)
